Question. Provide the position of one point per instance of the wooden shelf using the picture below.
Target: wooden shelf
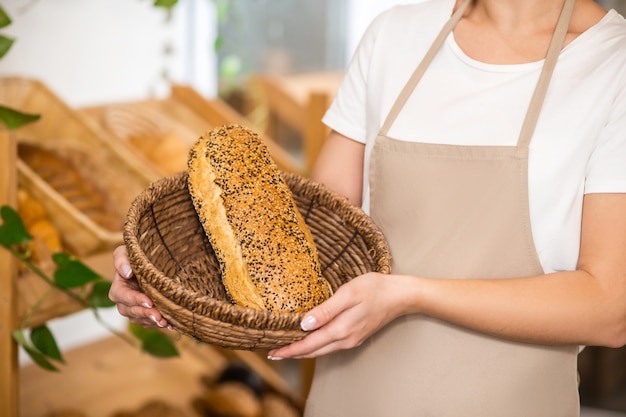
(108, 376)
(191, 115)
(300, 102)
(216, 112)
(8, 285)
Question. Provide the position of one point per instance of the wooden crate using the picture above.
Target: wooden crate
(114, 169)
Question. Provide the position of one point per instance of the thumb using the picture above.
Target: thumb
(321, 315)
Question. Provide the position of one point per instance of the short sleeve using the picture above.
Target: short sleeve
(347, 113)
(606, 170)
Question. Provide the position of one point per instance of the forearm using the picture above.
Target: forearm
(560, 308)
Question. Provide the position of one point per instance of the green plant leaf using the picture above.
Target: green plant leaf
(44, 341)
(138, 331)
(5, 45)
(5, 20)
(37, 357)
(218, 43)
(222, 7)
(71, 272)
(99, 296)
(159, 345)
(12, 230)
(153, 341)
(167, 4)
(14, 119)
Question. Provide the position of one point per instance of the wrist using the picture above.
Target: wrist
(411, 294)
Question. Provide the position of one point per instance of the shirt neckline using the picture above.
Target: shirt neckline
(456, 49)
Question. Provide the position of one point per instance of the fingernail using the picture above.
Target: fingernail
(127, 271)
(170, 328)
(274, 358)
(156, 321)
(147, 305)
(308, 323)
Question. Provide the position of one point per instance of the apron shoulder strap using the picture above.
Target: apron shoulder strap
(558, 39)
(422, 67)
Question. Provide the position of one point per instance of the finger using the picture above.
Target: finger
(315, 344)
(121, 262)
(333, 335)
(324, 350)
(146, 317)
(126, 292)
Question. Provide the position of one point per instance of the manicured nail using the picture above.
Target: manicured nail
(308, 323)
(169, 327)
(147, 305)
(274, 358)
(127, 271)
(156, 321)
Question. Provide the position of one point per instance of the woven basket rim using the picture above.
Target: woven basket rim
(148, 274)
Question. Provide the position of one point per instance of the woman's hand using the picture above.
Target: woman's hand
(131, 301)
(357, 310)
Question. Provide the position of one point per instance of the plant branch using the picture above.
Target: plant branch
(41, 274)
(31, 310)
(107, 326)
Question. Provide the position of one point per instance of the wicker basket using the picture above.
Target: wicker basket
(177, 269)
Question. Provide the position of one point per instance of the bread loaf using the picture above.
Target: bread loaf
(64, 177)
(266, 252)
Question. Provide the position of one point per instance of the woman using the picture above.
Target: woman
(499, 179)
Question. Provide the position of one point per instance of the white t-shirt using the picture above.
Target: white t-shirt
(579, 145)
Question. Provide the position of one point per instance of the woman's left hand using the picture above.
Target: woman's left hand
(357, 310)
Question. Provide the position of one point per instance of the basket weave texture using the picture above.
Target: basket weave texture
(177, 268)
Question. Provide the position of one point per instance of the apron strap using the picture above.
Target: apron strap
(422, 67)
(558, 39)
(532, 115)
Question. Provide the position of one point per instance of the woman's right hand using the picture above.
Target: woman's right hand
(126, 293)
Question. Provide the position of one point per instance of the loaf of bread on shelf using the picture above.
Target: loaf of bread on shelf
(62, 175)
(46, 238)
(232, 399)
(266, 252)
(149, 132)
(274, 405)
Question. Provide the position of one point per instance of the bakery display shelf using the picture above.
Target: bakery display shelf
(85, 163)
(217, 112)
(298, 101)
(61, 123)
(172, 125)
(8, 285)
(109, 376)
(106, 373)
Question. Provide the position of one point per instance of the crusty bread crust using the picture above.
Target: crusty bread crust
(266, 252)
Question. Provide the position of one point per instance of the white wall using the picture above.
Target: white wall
(360, 15)
(98, 51)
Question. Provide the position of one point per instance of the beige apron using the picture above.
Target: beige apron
(461, 212)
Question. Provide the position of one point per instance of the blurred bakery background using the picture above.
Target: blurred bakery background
(123, 88)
